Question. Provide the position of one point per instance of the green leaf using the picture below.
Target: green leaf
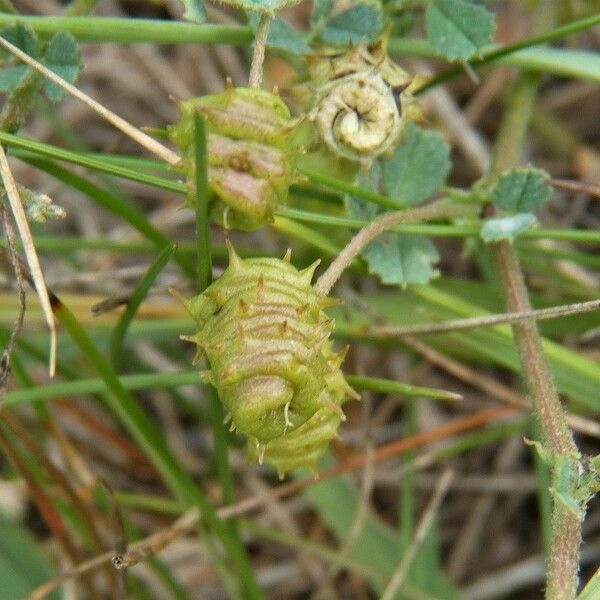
(22, 36)
(458, 29)
(23, 566)
(321, 10)
(522, 190)
(398, 259)
(194, 11)
(506, 228)
(363, 20)
(282, 36)
(25, 39)
(11, 77)
(62, 57)
(418, 167)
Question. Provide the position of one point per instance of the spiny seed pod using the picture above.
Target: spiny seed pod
(361, 101)
(251, 144)
(266, 337)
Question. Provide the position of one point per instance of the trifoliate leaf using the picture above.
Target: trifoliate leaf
(282, 36)
(194, 11)
(398, 259)
(418, 167)
(25, 39)
(506, 228)
(62, 57)
(364, 20)
(458, 29)
(522, 190)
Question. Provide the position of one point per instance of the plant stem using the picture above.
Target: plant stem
(130, 31)
(438, 210)
(495, 53)
(18, 212)
(557, 438)
(127, 128)
(258, 58)
(483, 321)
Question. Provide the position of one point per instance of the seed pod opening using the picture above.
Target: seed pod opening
(262, 327)
(361, 101)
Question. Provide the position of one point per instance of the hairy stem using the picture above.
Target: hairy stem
(258, 58)
(556, 435)
(437, 210)
(483, 321)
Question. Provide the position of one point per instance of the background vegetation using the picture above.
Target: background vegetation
(431, 491)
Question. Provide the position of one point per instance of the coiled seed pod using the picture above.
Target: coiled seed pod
(266, 337)
(252, 141)
(361, 101)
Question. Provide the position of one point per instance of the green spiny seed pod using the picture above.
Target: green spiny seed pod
(361, 101)
(266, 337)
(252, 141)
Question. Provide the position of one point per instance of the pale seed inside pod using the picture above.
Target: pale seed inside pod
(358, 116)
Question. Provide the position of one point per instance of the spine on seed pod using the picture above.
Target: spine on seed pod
(265, 334)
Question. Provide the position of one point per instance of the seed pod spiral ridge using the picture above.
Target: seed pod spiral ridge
(266, 337)
(360, 101)
(252, 142)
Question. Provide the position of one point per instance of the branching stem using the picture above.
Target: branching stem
(557, 438)
(484, 321)
(437, 210)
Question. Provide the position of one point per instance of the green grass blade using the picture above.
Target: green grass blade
(152, 444)
(472, 229)
(137, 297)
(592, 590)
(145, 381)
(510, 51)
(390, 386)
(113, 204)
(354, 190)
(131, 31)
(202, 204)
(85, 159)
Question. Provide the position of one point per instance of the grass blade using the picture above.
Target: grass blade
(152, 443)
(119, 332)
